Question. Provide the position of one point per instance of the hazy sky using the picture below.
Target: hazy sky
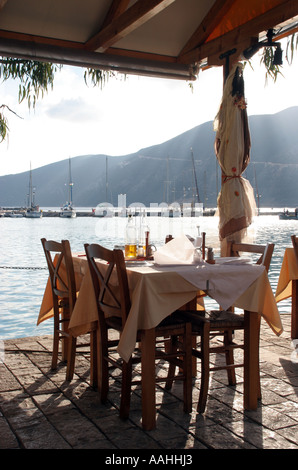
(126, 115)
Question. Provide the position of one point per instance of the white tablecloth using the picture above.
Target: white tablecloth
(158, 291)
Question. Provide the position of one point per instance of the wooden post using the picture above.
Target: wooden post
(252, 391)
(294, 320)
(148, 379)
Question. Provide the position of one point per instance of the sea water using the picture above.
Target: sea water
(23, 270)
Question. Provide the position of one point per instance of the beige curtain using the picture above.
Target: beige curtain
(236, 202)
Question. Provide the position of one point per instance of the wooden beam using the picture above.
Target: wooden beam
(147, 56)
(81, 58)
(141, 55)
(2, 4)
(273, 17)
(209, 23)
(23, 37)
(116, 9)
(138, 14)
(289, 32)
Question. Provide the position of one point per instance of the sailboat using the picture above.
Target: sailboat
(67, 211)
(32, 210)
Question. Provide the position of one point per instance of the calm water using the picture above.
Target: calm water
(22, 289)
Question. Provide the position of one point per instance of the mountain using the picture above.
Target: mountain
(164, 172)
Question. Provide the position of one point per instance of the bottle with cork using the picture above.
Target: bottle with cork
(143, 236)
(130, 238)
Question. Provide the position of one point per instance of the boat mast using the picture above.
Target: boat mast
(195, 176)
(107, 181)
(70, 184)
(257, 190)
(30, 188)
(167, 184)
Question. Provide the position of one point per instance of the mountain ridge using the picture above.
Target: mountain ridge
(164, 172)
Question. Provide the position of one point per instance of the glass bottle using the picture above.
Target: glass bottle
(131, 238)
(144, 236)
(198, 239)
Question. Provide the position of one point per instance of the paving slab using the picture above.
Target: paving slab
(39, 409)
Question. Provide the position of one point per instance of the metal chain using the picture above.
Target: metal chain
(21, 267)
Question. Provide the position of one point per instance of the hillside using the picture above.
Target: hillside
(163, 173)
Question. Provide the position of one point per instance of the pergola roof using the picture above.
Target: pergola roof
(164, 38)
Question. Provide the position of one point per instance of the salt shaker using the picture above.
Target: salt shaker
(198, 239)
(210, 255)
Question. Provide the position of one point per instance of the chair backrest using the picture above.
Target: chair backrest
(266, 251)
(63, 286)
(294, 239)
(110, 282)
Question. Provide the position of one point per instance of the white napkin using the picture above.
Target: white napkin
(179, 250)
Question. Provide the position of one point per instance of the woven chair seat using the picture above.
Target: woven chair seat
(114, 322)
(173, 321)
(216, 318)
(219, 318)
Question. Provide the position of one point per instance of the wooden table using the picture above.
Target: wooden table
(287, 286)
(158, 291)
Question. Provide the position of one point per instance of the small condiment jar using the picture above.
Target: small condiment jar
(210, 256)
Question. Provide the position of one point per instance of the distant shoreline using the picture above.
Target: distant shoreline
(90, 212)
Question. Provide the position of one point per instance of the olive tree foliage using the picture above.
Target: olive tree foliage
(35, 79)
(267, 58)
(99, 77)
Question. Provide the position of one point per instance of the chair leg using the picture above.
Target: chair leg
(66, 340)
(71, 357)
(205, 368)
(103, 379)
(259, 377)
(100, 341)
(125, 389)
(170, 348)
(94, 372)
(187, 369)
(228, 340)
(55, 349)
(194, 359)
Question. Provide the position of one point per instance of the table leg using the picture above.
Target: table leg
(148, 379)
(251, 360)
(294, 319)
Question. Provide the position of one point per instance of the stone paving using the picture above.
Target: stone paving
(40, 410)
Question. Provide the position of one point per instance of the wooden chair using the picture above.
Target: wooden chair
(265, 251)
(64, 298)
(209, 325)
(113, 309)
(294, 239)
